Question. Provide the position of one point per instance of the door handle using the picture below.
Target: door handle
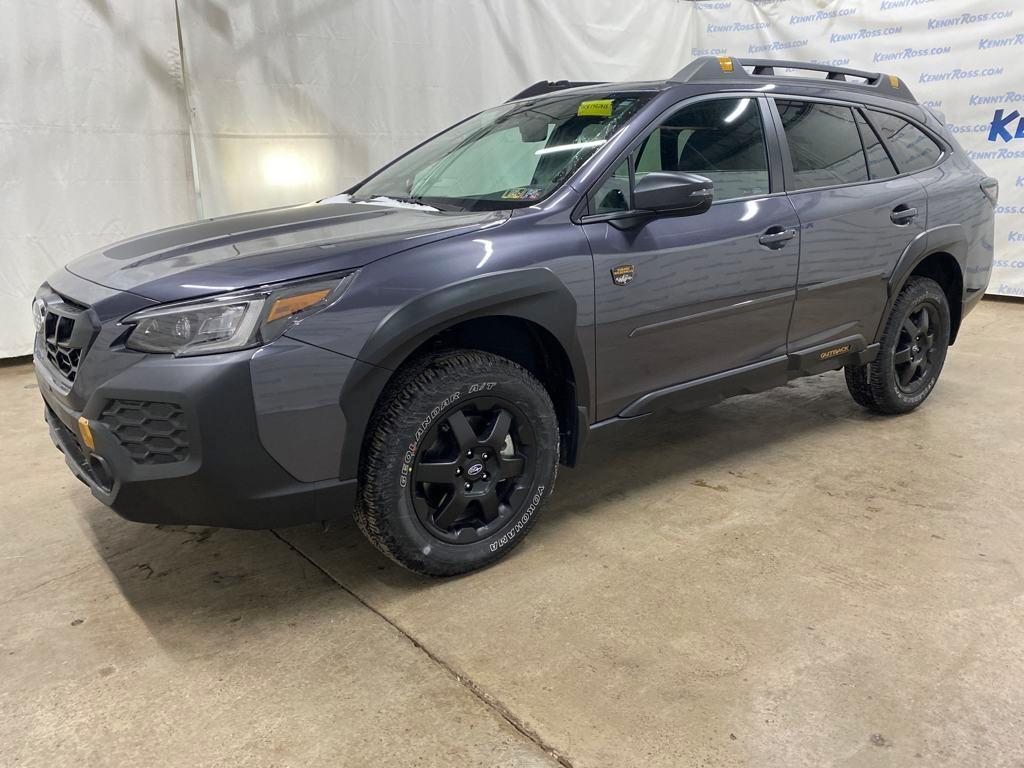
(902, 214)
(776, 237)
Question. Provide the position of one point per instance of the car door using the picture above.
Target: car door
(682, 298)
(856, 218)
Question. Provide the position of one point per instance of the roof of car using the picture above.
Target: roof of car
(755, 73)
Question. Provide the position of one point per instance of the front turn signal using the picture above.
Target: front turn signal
(290, 305)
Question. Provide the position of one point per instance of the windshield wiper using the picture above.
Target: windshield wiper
(418, 200)
(397, 202)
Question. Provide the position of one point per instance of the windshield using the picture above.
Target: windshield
(507, 157)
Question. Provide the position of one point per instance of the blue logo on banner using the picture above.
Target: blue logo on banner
(1001, 123)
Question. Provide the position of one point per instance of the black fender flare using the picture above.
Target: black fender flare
(949, 238)
(535, 294)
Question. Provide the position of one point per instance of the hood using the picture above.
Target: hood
(250, 249)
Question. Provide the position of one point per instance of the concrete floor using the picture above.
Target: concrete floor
(780, 580)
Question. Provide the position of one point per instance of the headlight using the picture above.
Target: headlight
(233, 320)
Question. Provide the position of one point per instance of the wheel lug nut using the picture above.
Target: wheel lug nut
(458, 470)
(484, 476)
(485, 455)
(469, 453)
(469, 486)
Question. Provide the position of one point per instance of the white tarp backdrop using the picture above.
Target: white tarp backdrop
(106, 112)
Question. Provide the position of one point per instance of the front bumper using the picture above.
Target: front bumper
(243, 440)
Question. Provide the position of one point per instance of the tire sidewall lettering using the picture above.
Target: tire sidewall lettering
(421, 429)
(409, 455)
(516, 527)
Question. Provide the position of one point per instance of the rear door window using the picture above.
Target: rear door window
(911, 147)
(824, 144)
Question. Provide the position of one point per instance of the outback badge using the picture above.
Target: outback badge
(623, 274)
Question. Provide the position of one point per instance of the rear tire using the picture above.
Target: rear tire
(461, 454)
(912, 353)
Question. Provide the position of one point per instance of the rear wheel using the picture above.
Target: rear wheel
(463, 451)
(913, 350)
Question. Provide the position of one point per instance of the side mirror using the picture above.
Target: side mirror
(673, 193)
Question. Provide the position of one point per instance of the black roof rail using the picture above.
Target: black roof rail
(548, 86)
(727, 68)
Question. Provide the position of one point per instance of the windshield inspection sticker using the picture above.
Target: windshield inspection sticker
(598, 108)
(521, 193)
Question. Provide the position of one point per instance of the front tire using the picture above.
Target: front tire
(913, 350)
(462, 452)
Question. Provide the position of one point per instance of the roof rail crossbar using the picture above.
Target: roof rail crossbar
(727, 68)
(549, 86)
(871, 78)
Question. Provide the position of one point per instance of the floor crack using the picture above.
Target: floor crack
(485, 698)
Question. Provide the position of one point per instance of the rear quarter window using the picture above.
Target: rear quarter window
(911, 148)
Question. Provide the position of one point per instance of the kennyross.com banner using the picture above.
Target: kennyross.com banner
(965, 60)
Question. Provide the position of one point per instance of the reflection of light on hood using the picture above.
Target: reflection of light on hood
(285, 169)
(488, 250)
(568, 147)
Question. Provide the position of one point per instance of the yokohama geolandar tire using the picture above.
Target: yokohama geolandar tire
(461, 453)
(913, 349)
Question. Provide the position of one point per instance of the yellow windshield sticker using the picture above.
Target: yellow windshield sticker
(598, 108)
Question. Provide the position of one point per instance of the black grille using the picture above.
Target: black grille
(152, 433)
(66, 333)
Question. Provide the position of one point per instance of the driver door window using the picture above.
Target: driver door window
(721, 139)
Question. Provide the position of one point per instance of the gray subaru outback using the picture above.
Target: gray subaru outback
(426, 348)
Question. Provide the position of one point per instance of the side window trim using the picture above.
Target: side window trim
(783, 143)
(775, 174)
(944, 151)
(881, 140)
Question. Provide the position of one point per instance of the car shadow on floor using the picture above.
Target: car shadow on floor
(225, 586)
(628, 462)
(215, 576)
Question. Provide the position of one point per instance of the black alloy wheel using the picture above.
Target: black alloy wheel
(462, 453)
(912, 350)
(913, 358)
(474, 471)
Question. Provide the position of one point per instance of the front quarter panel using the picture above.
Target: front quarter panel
(536, 266)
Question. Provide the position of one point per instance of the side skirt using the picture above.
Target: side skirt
(748, 379)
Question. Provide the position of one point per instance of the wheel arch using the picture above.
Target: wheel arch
(528, 316)
(939, 254)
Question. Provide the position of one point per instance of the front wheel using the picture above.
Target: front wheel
(463, 451)
(913, 350)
